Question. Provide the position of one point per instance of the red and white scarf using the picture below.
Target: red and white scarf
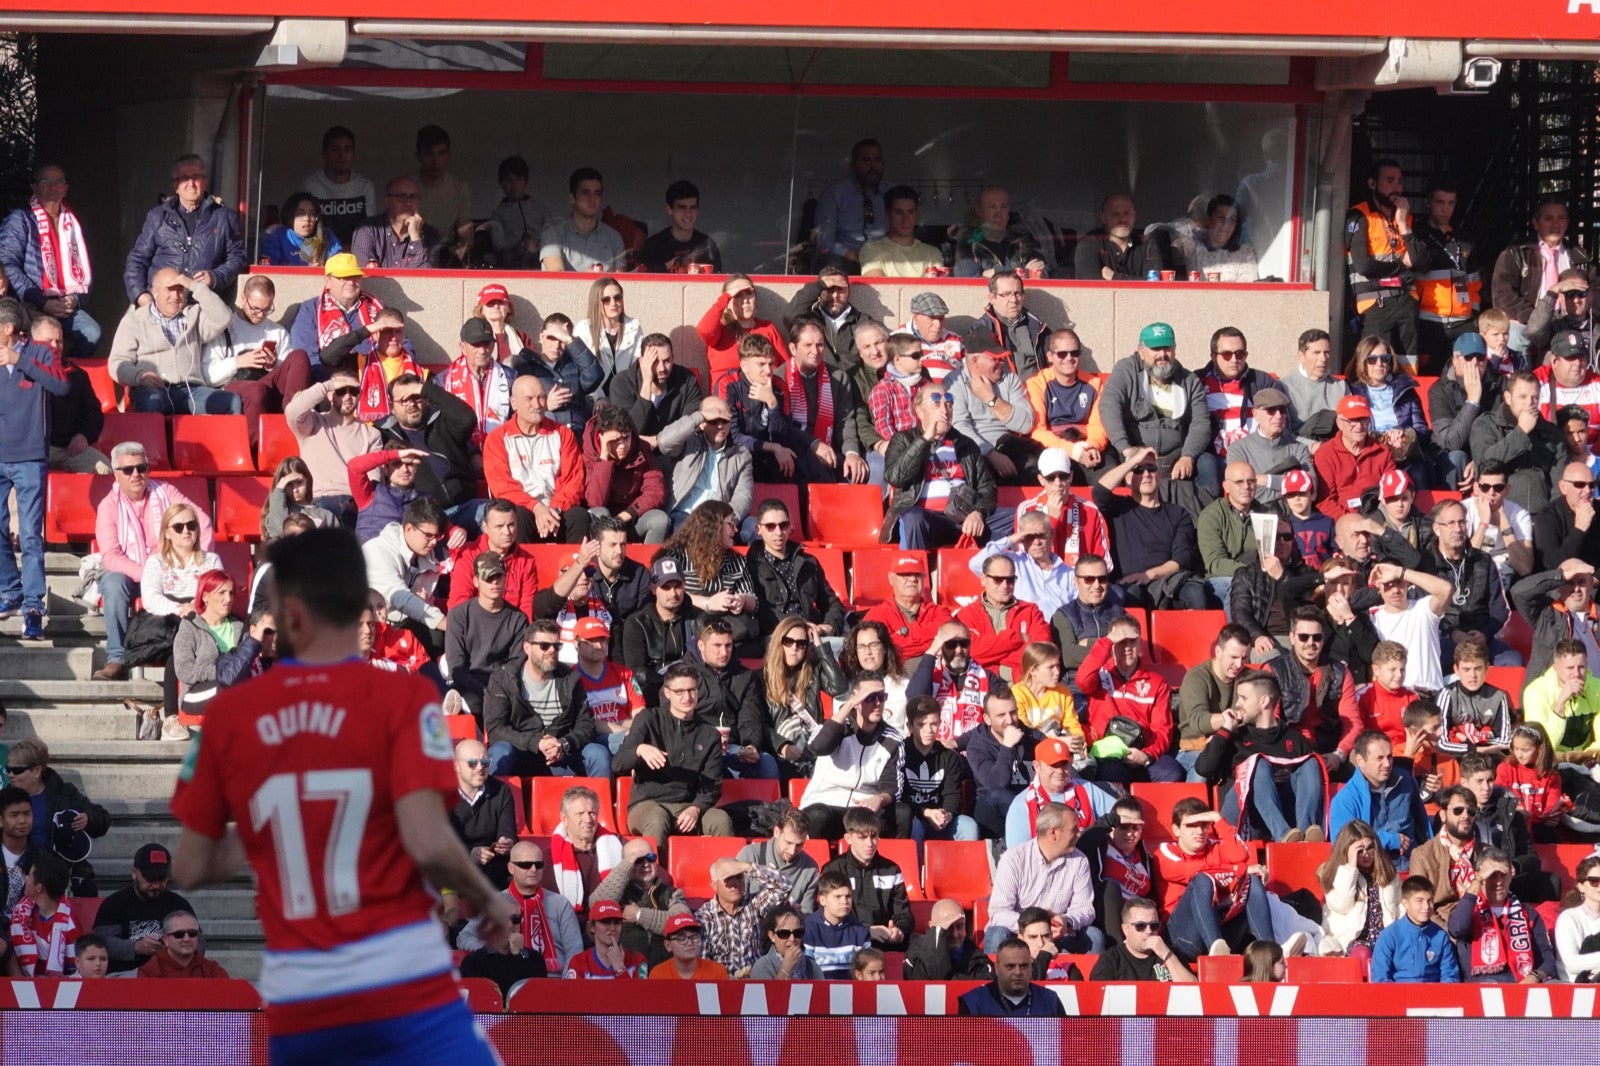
(1244, 775)
(489, 395)
(821, 426)
(1502, 941)
(564, 859)
(1130, 872)
(960, 699)
(61, 274)
(1462, 863)
(331, 321)
(375, 387)
(132, 534)
(536, 928)
(1075, 798)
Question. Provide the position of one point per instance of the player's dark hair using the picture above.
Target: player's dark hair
(51, 873)
(323, 569)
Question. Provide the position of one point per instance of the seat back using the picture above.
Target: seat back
(212, 444)
(100, 380)
(955, 583)
(737, 789)
(544, 798)
(1156, 799)
(70, 504)
(1184, 637)
(1292, 866)
(1220, 969)
(956, 869)
(845, 516)
(1318, 969)
(689, 861)
(277, 443)
(239, 503)
(148, 429)
(236, 560)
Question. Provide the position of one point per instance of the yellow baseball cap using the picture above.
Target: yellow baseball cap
(343, 265)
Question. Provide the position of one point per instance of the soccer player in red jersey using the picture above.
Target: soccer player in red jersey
(334, 776)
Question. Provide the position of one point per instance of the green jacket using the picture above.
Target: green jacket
(1226, 540)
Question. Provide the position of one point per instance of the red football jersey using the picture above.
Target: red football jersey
(308, 761)
(614, 696)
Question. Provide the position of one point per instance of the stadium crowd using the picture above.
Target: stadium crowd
(1220, 612)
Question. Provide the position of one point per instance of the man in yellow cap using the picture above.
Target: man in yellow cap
(341, 308)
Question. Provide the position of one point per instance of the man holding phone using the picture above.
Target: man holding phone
(252, 359)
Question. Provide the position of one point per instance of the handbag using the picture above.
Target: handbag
(149, 638)
(1125, 729)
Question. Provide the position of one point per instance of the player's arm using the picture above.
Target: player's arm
(202, 860)
(426, 835)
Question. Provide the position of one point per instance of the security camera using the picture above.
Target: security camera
(1478, 75)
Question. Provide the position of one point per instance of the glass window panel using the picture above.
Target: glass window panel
(792, 66)
(1178, 69)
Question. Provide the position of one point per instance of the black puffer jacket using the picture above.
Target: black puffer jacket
(805, 591)
(508, 716)
(62, 795)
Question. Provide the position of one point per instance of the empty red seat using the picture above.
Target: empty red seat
(70, 502)
(462, 727)
(212, 444)
(239, 502)
(277, 443)
(956, 584)
(545, 793)
(105, 389)
(1185, 637)
(739, 789)
(237, 562)
(1318, 969)
(832, 563)
(482, 995)
(1509, 680)
(1156, 799)
(689, 861)
(1219, 969)
(149, 430)
(1292, 866)
(956, 869)
(846, 516)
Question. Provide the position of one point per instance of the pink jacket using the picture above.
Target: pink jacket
(128, 559)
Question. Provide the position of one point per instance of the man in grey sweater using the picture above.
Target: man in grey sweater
(707, 463)
(785, 852)
(1313, 389)
(989, 406)
(1270, 449)
(158, 351)
(1152, 401)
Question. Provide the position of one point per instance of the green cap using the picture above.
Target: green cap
(1158, 335)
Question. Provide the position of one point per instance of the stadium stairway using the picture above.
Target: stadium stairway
(47, 688)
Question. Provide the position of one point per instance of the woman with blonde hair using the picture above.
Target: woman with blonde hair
(1043, 702)
(792, 677)
(167, 590)
(1395, 399)
(730, 319)
(610, 333)
(1362, 892)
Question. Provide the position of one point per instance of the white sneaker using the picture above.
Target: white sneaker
(453, 702)
(1220, 947)
(1295, 945)
(172, 729)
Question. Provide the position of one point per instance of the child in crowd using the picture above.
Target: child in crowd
(834, 934)
(1415, 949)
(1423, 724)
(1531, 776)
(1477, 715)
(879, 884)
(868, 965)
(1043, 702)
(1383, 702)
(1313, 530)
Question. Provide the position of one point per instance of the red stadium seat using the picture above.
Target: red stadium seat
(956, 869)
(689, 861)
(643, 554)
(239, 502)
(624, 794)
(70, 502)
(894, 965)
(462, 727)
(550, 559)
(1426, 498)
(1220, 969)
(545, 793)
(519, 793)
(1562, 860)
(738, 789)
(797, 789)
(1014, 496)
(904, 854)
(195, 489)
(277, 443)
(1156, 799)
(1519, 634)
(956, 584)
(149, 430)
(100, 380)
(237, 562)
(845, 516)
(84, 909)
(980, 921)
(1509, 680)
(482, 995)
(817, 848)
(212, 444)
(1184, 637)
(869, 574)
(1084, 963)
(832, 562)
(1292, 866)
(1317, 969)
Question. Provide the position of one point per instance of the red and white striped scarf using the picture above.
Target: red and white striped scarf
(536, 928)
(1131, 874)
(1506, 940)
(960, 699)
(331, 321)
(489, 395)
(821, 426)
(1075, 798)
(375, 387)
(132, 534)
(564, 860)
(61, 274)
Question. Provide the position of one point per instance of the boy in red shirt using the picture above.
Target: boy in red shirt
(43, 932)
(608, 959)
(1383, 702)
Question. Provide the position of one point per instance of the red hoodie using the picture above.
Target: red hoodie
(522, 575)
(1381, 709)
(634, 485)
(992, 650)
(1342, 477)
(1145, 697)
(1225, 858)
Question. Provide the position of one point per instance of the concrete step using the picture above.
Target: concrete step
(71, 723)
(244, 964)
(54, 694)
(47, 661)
(68, 622)
(149, 783)
(63, 562)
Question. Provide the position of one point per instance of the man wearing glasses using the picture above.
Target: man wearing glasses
(1231, 386)
(940, 485)
(1478, 606)
(484, 816)
(400, 238)
(252, 357)
(548, 931)
(1065, 401)
(1269, 448)
(1351, 462)
(404, 564)
(675, 758)
(1447, 859)
(180, 954)
(127, 525)
(647, 903)
(1318, 693)
(1142, 955)
(195, 234)
(1568, 379)
(1566, 307)
(535, 712)
(1022, 333)
(1158, 557)
(1567, 529)
(1519, 435)
(1226, 534)
(851, 211)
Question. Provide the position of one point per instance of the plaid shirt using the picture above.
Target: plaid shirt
(892, 410)
(735, 939)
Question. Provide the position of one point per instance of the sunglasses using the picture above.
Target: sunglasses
(346, 391)
(135, 469)
(1144, 927)
(940, 397)
(611, 299)
(528, 864)
(799, 934)
(545, 645)
(714, 421)
(1309, 638)
(185, 527)
(1592, 882)
(1070, 353)
(1459, 809)
(796, 642)
(1581, 484)
(1371, 359)
(473, 764)
(1491, 486)
(1145, 469)
(1240, 354)
(774, 526)
(1094, 579)
(184, 934)
(1001, 579)
(957, 645)
(875, 697)
(16, 770)
(1058, 477)
(648, 856)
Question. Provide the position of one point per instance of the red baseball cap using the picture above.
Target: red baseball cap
(490, 293)
(591, 628)
(1296, 480)
(678, 923)
(1052, 751)
(1393, 484)
(602, 910)
(906, 565)
(1354, 407)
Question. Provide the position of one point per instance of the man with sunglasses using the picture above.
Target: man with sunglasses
(180, 954)
(940, 487)
(1268, 447)
(541, 944)
(788, 579)
(536, 714)
(859, 763)
(1040, 577)
(484, 816)
(329, 439)
(1565, 307)
(647, 898)
(1478, 604)
(127, 526)
(1566, 527)
(827, 299)
(1077, 526)
(1087, 616)
(342, 307)
(1318, 692)
(1065, 401)
(1231, 384)
(705, 462)
(730, 921)
(1142, 955)
(404, 563)
(1447, 859)
(1157, 556)
(1519, 435)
